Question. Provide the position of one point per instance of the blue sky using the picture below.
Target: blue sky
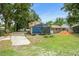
(49, 11)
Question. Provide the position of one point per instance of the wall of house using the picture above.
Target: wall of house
(57, 30)
(76, 29)
(40, 30)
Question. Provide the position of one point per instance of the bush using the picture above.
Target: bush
(47, 36)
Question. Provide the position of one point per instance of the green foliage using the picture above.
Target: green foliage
(21, 14)
(60, 21)
(48, 36)
(5, 11)
(73, 12)
(49, 23)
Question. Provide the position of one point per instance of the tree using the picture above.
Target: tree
(73, 12)
(23, 15)
(60, 21)
(49, 23)
(20, 14)
(5, 11)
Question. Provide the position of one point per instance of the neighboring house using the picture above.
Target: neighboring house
(2, 28)
(57, 28)
(75, 28)
(40, 29)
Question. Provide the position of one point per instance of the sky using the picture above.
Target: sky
(49, 11)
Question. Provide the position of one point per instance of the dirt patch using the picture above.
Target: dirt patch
(64, 33)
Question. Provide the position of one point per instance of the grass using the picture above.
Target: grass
(6, 48)
(61, 45)
(44, 45)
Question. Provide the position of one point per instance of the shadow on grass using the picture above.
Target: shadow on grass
(76, 35)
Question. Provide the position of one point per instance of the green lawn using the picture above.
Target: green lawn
(45, 45)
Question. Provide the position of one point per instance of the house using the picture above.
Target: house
(57, 28)
(75, 28)
(2, 28)
(40, 29)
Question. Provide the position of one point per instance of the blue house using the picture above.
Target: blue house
(40, 29)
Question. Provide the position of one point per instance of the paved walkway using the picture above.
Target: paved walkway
(18, 38)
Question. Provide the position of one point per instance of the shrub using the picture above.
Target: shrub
(47, 36)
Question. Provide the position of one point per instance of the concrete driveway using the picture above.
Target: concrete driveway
(18, 38)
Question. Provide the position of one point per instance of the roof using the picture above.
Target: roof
(65, 26)
(75, 25)
(33, 23)
(57, 26)
(41, 25)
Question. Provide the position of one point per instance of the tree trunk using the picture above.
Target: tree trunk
(6, 26)
(16, 27)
